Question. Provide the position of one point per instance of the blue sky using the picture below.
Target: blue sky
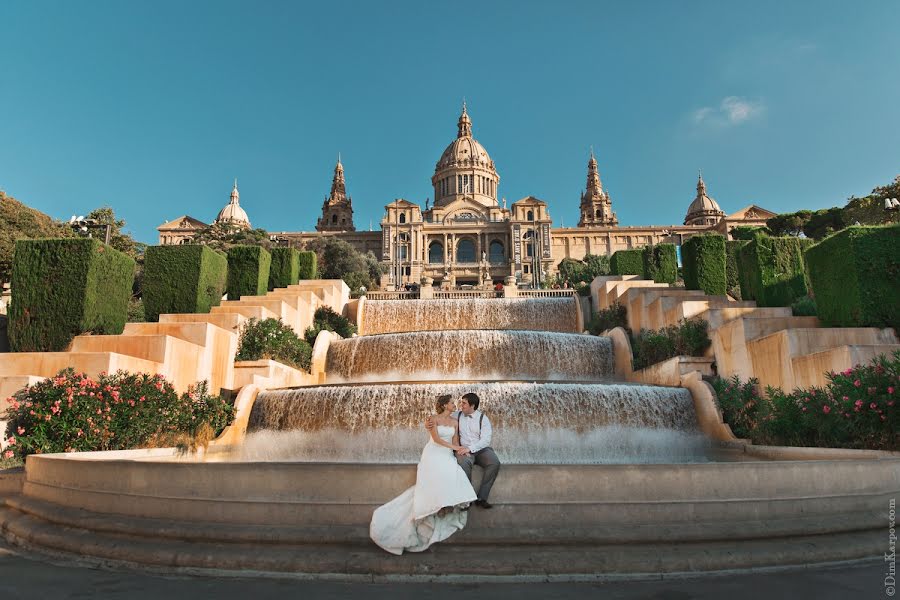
(154, 107)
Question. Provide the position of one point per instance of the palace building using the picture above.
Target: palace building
(469, 237)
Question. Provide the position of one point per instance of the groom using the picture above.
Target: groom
(475, 437)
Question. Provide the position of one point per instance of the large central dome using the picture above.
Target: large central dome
(465, 170)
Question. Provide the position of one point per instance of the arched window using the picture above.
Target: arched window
(334, 219)
(496, 255)
(530, 215)
(465, 251)
(599, 214)
(435, 253)
(402, 218)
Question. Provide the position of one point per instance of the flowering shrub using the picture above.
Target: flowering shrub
(73, 412)
(857, 409)
(270, 338)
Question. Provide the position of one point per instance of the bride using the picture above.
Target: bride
(435, 507)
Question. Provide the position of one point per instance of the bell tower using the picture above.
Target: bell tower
(337, 210)
(596, 206)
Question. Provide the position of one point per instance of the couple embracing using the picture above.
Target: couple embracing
(436, 506)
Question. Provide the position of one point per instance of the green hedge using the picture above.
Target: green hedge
(703, 262)
(628, 262)
(65, 287)
(661, 263)
(855, 276)
(285, 269)
(182, 279)
(732, 247)
(248, 271)
(307, 265)
(771, 270)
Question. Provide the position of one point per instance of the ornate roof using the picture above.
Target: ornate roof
(464, 150)
(233, 213)
(703, 207)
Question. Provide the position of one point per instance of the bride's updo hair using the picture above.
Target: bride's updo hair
(441, 402)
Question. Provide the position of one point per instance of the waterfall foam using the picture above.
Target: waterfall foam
(536, 314)
(471, 355)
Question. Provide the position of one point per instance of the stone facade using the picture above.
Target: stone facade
(469, 237)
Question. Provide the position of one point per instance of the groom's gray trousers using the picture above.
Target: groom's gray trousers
(487, 460)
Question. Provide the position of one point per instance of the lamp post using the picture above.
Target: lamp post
(81, 226)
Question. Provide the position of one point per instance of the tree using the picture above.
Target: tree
(789, 223)
(20, 222)
(746, 232)
(337, 259)
(870, 209)
(583, 271)
(824, 222)
(222, 236)
(123, 242)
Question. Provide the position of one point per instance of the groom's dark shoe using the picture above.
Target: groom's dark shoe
(483, 503)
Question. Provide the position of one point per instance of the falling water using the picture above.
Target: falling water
(470, 355)
(549, 423)
(537, 314)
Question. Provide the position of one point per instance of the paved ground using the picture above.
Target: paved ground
(25, 576)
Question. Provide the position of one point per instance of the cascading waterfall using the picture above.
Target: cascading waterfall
(527, 314)
(544, 386)
(533, 422)
(470, 355)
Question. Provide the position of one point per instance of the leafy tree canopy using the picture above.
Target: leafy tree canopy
(20, 222)
(337, 259)
(123, 242)
(222, 236)
(745, 232)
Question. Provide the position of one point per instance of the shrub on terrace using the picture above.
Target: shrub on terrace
(703, 257)
(272, 339)
(65, 287)
(182, 279)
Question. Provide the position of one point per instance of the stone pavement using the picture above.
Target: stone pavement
(29, 576)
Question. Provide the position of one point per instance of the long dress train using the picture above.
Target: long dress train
(410, 521)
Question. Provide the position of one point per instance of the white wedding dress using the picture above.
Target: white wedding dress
(410, 521)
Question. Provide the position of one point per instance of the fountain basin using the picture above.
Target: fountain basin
(156, 508)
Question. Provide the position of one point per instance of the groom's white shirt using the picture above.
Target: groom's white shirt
(472, 436)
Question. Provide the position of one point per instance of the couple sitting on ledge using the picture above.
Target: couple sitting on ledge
(436, 506)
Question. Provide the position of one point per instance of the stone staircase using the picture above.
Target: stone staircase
(748, 341)
(185, 348)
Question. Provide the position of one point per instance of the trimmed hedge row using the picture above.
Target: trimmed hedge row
(65, 287)
(732, 248)
(854, 276)
(285, 268)
(771, 270)
(703, 262)
(627, 262)
(307, 265)
(661, 263)
(182, 279)
(248, 271)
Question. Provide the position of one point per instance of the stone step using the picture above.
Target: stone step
(181, 363)
(618, 289)
(219, 347)
(729, 341)
(248, 312)
(674, 311)
(810, 369)
(599, 289)
(639, 299)
(453, 556)
(230, 321)
(716, 317)
(275, 374)
(277, 306)
(772, 355)
(305, 302)
(48, 364)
